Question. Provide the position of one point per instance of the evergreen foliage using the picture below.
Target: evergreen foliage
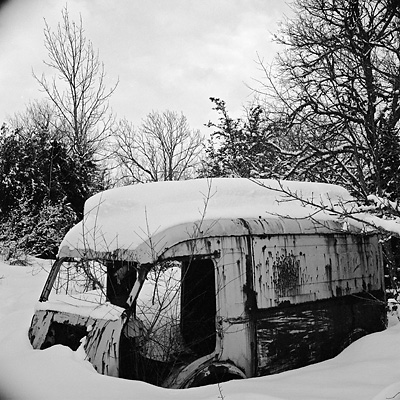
(43, 189)
(49, 156)
(243, 147)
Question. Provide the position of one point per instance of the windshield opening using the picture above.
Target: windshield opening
(80, 280)
(94, 281)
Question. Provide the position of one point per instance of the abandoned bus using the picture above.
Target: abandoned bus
(182, 284)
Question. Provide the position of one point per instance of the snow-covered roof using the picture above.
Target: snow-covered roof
(159, 215)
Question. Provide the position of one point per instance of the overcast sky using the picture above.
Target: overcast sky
(167, 54)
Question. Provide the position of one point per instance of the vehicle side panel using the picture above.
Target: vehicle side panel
(233, 319)
(298, 268)
(315, 294)
(295, 336)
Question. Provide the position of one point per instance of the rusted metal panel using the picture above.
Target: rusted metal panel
(295, 336)
(301, 268)
(305, 286)
(102, 345)
(100, 336)
(51, 327)
(233, 319)
(258, 274)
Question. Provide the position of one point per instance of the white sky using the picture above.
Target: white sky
(167, 54)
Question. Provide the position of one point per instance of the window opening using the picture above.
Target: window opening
(174, 320)
(158, 308)
(198, 307)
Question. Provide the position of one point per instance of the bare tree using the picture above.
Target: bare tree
(77, 89)
(163, 148)
(337, 86)
(39, 115)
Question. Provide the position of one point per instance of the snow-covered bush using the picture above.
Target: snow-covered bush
(43, 187)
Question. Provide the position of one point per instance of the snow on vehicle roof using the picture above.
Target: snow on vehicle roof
(127, 217)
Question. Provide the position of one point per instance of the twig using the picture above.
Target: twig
(221, 395)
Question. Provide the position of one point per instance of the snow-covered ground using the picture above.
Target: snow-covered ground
(368, 369)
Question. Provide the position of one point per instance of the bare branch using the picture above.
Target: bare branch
(77, 88)
(162, 148)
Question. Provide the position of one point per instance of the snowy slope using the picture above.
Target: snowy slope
(368, 369)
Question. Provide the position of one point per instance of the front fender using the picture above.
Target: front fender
(102, 346)
(50, 327)
(99, 326)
